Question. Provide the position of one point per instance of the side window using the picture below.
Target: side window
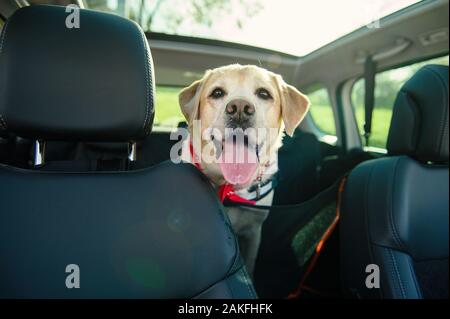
(321, 110)
(168, 113)
(387, 85)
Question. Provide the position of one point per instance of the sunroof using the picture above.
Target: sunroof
(296, 27)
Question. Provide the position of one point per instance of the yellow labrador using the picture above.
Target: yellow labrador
(236, 116)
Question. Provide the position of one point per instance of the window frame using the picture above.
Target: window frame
(164, 128)
(351, 82)
(321, 135)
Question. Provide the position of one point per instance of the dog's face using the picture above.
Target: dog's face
(245, 99)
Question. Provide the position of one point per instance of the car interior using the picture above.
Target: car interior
(86, 175)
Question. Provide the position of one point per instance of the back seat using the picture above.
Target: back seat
(298, 162)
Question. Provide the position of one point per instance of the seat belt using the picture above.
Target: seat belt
(370, 69)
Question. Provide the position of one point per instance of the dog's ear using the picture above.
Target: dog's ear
(189, 100)
(294, 105)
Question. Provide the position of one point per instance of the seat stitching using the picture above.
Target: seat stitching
(416, 284)
(391, 269)
(397, 273)
(247, 283)
(366, 218)
(147, 101)
(443, 123)
(391, 209)
(366, 201)
(3, 124)
(3, 35)
(147, 82)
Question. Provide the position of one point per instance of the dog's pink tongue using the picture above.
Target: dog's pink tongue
(238, 163)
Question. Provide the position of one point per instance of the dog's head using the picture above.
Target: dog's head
(241, 101)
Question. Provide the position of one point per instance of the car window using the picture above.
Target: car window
(387, 86)
(168, 112)
(240, 20)
(321, 110)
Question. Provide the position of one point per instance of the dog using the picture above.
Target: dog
(259, 106)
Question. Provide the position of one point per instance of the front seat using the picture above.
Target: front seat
(158, 232)
(395, 213)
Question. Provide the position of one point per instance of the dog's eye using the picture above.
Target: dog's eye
(217, 93)
(263, 94)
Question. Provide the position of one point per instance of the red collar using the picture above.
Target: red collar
(226, 191)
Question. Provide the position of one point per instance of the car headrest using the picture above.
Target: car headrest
(419, 126)
(92, 83)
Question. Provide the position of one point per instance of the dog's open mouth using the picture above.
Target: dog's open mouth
(238, 160)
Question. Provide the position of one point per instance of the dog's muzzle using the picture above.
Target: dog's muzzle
(240, 113)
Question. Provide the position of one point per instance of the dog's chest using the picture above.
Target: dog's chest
(246, 219)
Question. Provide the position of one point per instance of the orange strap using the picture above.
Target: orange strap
(302, 287)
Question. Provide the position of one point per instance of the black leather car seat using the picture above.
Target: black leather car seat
(158, 232)
(395, 210)
(298, 163)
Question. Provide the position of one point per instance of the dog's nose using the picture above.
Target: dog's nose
(240, 108)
